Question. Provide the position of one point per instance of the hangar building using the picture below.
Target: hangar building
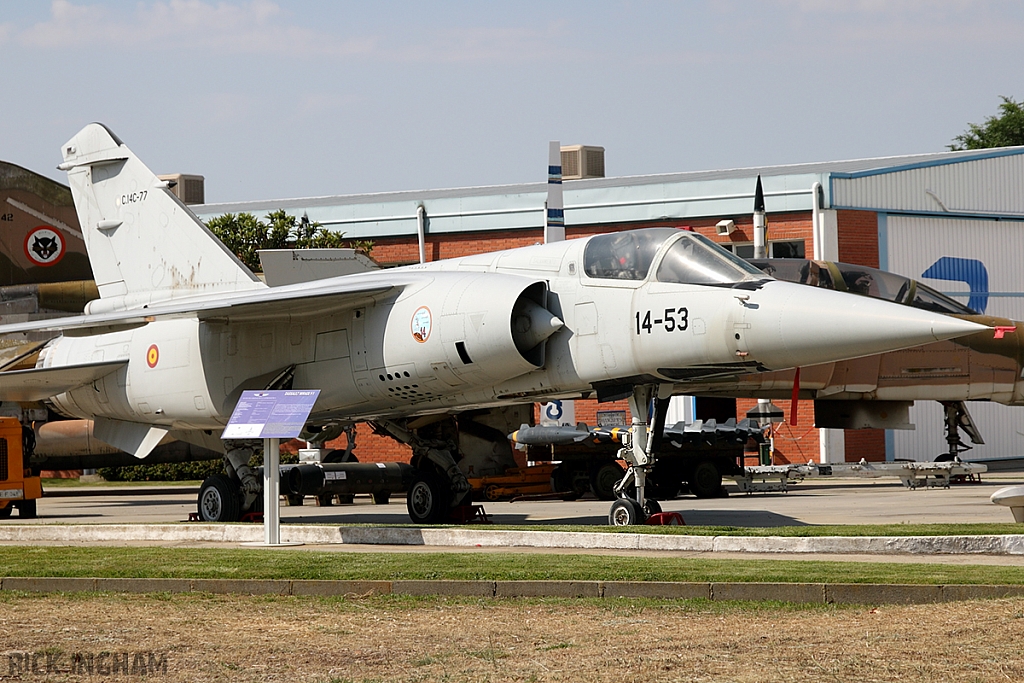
(957, 216)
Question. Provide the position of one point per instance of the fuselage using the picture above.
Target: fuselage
(471, 332)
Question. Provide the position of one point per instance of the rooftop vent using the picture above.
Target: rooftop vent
(582, 161)
(188, 188)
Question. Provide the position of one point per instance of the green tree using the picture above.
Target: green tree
(1004, 130)
(245, 235)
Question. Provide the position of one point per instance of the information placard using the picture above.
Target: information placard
(270, 414)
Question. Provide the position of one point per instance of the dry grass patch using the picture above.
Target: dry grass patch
(212, 638)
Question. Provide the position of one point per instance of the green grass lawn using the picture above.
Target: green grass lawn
(263, 563)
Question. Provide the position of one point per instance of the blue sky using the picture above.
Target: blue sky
(273, 100)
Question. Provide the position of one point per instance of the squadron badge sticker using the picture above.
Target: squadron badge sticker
(421, 324)
(44, 246)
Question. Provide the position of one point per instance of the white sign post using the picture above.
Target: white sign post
(271, 492)
(272, 416)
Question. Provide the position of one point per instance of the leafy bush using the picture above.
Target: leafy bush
(245, 235)
(179, 471)
(172, 471)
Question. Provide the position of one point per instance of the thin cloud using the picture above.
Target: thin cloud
(262, 27)
(255, 27)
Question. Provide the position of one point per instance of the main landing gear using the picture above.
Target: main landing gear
(632, 506)
(227, 497)
(958, 418)
(439, 485)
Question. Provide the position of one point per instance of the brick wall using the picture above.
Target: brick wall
(858, 237)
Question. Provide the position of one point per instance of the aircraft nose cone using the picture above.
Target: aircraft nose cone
(792, 325)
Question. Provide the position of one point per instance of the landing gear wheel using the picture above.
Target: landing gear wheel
(427, 499)
(944, 457)
(492, 492)
(604, 478)
(651, 507)
(219, 500)
(382, 497)
(706, 480)
(626, 512)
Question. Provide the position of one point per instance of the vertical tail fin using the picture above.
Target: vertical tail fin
(143, 243)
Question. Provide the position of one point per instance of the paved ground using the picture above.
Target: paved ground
(836, 502)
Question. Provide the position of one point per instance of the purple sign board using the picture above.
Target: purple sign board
(270, 414)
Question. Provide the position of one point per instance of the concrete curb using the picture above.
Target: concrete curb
(468, 538)
(805, 593)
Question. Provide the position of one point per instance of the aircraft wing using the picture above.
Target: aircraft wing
(279, 303)
(42, 383)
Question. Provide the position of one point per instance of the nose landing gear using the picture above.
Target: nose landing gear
(647, 402)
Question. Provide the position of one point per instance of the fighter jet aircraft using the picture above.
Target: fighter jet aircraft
(181, 328)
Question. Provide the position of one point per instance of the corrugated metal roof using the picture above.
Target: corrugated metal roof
(670, 196)
(991, 185)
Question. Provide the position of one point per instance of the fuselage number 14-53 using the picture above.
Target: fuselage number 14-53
(672, 320)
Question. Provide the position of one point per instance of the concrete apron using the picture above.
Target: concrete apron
(454, 538)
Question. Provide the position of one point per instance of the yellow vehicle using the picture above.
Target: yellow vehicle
(18, 486)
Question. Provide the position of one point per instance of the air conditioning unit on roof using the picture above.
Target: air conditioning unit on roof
(582, 161)
(190, 189)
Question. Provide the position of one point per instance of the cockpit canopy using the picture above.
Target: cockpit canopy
(691, 259)
(846, 277)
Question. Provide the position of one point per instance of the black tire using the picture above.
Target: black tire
(382, 497)
(345, 499)
(626, 512)
(325, 500)
(651, 507)
(603, 479)
(294, 500)
(706, 480)
(561, 482)
(5, 511)
(338, 455)
(944, 457)
(220, 500)
(427, 499)
(27, 509)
